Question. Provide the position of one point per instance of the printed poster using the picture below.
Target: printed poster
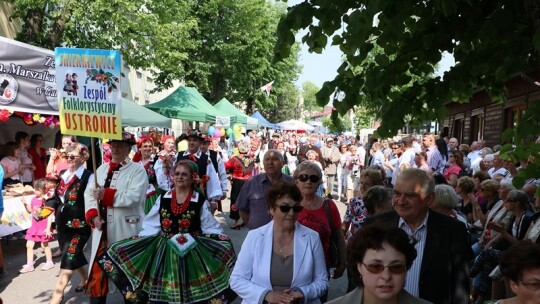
(88, 83)
(27, 78)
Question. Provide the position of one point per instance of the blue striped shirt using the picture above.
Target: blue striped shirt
(412, 281)
(435, 159)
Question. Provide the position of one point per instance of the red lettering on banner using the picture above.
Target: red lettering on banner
(91, 123)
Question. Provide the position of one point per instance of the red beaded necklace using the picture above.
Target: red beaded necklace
(177, 208)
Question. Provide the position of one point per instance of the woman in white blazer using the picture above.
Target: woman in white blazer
(262, 273)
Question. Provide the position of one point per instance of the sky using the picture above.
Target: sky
(319, 68)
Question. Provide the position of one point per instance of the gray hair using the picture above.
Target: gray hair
(276, 152)
(520, 197)
(377, 197)
(507, 183)
(307, 165)
(421, 177)
(446, 196)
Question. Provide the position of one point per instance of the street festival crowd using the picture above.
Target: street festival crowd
(428, 219)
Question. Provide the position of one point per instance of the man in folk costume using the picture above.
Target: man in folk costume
(219, 166)
(207, 172)
(118, 198)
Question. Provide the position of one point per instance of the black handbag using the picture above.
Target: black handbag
(334, 253)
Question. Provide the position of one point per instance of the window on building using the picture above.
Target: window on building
(139, 75)
(124, 95)
(477, 127)
(146, 102)
(512, 116)
(457, 130)
(136, 99)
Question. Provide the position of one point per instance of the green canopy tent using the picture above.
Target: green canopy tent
(134, 115)
(187, 104)
(227, 108)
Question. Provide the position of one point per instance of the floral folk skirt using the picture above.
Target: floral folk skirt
(151, 265)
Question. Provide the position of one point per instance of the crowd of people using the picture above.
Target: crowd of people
(427, 220)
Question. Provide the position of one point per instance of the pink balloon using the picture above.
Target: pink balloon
(217, 133)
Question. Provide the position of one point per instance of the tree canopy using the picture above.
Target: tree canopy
(392, 48)
(490, 40)
(222, 47)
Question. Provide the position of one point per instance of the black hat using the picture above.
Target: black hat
(127, 138)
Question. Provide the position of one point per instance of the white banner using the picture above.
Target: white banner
(223, 121)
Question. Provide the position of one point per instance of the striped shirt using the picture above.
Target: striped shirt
(435, 160)
(412, 281)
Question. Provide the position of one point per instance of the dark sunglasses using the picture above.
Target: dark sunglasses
(287, 208)
(71, 157)
(313, 178)
(378, 268)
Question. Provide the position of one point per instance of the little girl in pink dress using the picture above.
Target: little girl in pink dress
(40, 230)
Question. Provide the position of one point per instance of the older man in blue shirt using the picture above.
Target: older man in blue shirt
(251, 201)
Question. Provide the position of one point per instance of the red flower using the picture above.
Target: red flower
(166, 223)
(107, 266)
(74, 241)
(184, 224)
(72, 196)
(195, 176)
(76, 223)
(181, 239)
(71, 249)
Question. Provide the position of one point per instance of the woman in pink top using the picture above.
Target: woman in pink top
(456, 165)
(56, 163)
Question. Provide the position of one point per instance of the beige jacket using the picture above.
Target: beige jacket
(356, 296)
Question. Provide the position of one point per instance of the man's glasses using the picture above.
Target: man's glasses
(378, 268)
(313, 178)
(71, 157)
(287, 208)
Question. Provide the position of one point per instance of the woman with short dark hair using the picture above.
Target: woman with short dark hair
(380, 256)
(520, 264)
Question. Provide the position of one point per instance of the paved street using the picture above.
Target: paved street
(36, 287)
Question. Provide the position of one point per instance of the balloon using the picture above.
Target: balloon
(236, 128)
(229, 131)
(211, 130)
(217, 134)
(222, 131)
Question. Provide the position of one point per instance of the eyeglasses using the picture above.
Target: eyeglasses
(532, 286)
(378, 268)
(71, 157)
(313, 178)
(287, 208)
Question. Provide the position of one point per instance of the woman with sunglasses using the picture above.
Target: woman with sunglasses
(316, 212)
(282, 261)
(73, 231)
(520, 265)
(382, 255)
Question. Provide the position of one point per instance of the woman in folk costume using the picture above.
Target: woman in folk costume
(164, 163)
(242, 167)
(144, 156)
(73, 230)
(121, 192)
(181, 255)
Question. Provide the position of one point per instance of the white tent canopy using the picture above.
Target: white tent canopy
(292, 124)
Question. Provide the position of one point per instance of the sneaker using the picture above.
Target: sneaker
(47, 266)
(27, 268)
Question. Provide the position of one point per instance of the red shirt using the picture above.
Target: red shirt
(40, 161)
(318, 221)
(241, 166)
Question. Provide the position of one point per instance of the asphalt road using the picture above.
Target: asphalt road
(37, 287)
